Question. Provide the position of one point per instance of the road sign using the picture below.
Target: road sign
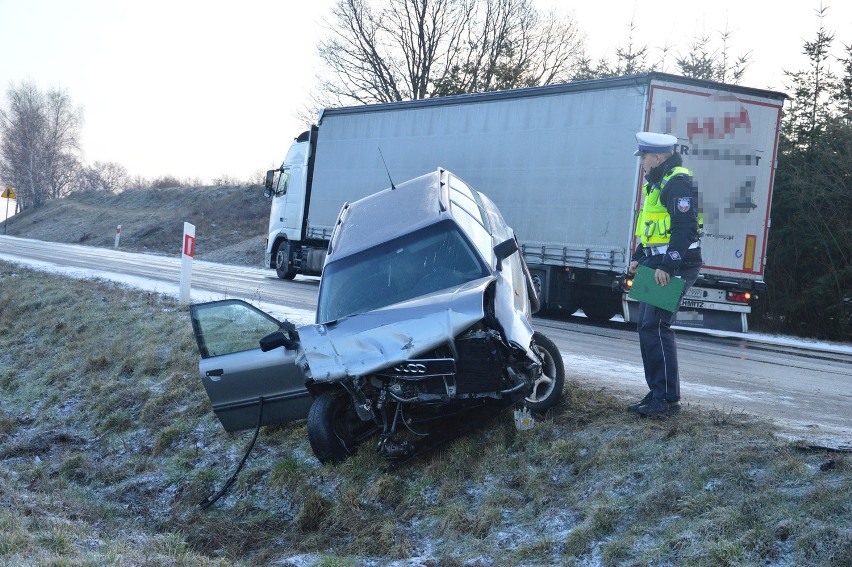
(8, 194)
(186, 261)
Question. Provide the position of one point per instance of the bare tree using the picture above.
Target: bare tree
(138, 182)
(104, 176)
(39, 150)
(226, 180)
(414, 49)
(258, 178)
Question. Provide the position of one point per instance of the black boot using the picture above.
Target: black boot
(658, 407)
(633, 408)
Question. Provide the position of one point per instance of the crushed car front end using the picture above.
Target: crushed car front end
(423, 329)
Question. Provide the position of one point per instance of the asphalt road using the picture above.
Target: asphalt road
(805, 390)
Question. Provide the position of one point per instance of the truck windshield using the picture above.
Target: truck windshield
(431, 259)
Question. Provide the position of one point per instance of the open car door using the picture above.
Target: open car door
(236, 373)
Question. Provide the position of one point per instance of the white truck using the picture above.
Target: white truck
(558, 162)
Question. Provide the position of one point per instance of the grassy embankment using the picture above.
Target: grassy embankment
(107, 444)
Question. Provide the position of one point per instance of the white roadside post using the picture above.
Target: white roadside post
(117, 235)
(186, 261)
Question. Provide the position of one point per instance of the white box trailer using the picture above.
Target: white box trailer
(558, 162)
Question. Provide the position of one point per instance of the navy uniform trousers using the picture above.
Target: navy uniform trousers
(657, 340)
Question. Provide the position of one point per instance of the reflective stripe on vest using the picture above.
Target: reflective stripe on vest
(654, 224)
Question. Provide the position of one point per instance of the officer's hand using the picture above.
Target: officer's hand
(632, 268)
(662, 277)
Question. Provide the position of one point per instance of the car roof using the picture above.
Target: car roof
(412, 205)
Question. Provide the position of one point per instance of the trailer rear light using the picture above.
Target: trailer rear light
(739, 296)
(628, 283)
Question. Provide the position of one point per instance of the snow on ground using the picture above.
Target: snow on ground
(297, 316)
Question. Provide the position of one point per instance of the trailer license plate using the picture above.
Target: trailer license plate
(705, 294)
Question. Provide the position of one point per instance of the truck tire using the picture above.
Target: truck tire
(537, 283)
(601, 305)
(567, 299)
(334, 429)
(547, 390)
(282, 262)
(570, 307)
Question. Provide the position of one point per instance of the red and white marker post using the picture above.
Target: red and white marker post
(186, 261)
(117, 235)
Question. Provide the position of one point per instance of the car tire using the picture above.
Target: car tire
(547, 390)
(282, 257)
(334, 428)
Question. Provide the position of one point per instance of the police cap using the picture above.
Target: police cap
(652, 142)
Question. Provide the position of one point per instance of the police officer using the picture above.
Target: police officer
(667, 233)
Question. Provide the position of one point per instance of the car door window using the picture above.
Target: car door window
(225, 327)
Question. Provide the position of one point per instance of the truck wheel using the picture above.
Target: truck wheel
(547, 390)
(567, 298)
(282, 262)
(538, 286)
(598, 313)
(601, 306)
(570, 307)
(334, 428)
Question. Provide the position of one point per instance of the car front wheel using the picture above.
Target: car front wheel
(547, 389)
(334, 428)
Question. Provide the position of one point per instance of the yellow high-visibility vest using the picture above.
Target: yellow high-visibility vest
(654, 224)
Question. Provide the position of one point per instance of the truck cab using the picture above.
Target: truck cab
(289, 189)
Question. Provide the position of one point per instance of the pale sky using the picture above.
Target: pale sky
(204, 88)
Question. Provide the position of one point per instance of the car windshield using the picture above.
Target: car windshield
(434, 258)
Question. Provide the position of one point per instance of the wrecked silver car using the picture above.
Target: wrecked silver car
(423, 330)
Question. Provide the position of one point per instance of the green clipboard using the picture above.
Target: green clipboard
(646, 290)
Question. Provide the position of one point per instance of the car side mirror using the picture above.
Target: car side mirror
(267, 185)
(277, 339)
(504, 250)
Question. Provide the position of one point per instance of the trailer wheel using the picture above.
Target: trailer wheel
(600, 305)
(547, 390)
(570, 307)
(282, 262)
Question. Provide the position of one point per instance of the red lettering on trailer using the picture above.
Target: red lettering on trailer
(721, 126)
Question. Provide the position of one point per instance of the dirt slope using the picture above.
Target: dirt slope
(230, 221)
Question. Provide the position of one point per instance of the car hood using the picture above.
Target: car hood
(369, 342)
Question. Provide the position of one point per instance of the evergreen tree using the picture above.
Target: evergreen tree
(809, 267)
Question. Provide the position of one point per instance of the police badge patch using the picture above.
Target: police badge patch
(674, 255)
(683, 204)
